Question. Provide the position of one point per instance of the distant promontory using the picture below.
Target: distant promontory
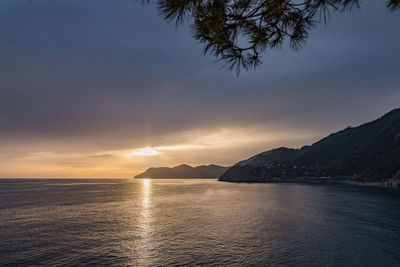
(184, 171)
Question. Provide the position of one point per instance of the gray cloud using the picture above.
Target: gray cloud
(113, 73)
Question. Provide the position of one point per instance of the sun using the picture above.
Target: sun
(146, 151)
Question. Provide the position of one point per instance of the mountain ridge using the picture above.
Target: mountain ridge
(368, 152)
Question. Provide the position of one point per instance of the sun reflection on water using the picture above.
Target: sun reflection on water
(146, 191)
(145, 244)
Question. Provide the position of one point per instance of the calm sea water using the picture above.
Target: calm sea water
(196, 222)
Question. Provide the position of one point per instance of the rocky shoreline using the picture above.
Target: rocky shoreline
(390, 183)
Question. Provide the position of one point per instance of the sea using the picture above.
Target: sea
(196, 222)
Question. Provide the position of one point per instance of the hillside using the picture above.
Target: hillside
(369, 152)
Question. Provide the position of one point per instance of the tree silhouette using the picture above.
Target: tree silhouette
(236, 32)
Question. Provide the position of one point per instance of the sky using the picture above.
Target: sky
(107, 88)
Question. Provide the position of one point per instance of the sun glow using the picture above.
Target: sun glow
(147, 151)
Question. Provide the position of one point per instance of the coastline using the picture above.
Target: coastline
(393, 183)
(177, 178)
(390, 183)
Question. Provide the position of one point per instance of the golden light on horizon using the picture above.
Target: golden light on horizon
(223, 146)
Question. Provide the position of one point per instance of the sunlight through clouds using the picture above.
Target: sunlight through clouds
(146, 151)
(221, 146)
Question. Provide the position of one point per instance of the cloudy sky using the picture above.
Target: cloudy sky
(107, 88)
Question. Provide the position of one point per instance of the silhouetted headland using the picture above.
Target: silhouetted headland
(369, 153)
(184, 171)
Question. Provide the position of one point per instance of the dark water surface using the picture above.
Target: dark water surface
(196, 222)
